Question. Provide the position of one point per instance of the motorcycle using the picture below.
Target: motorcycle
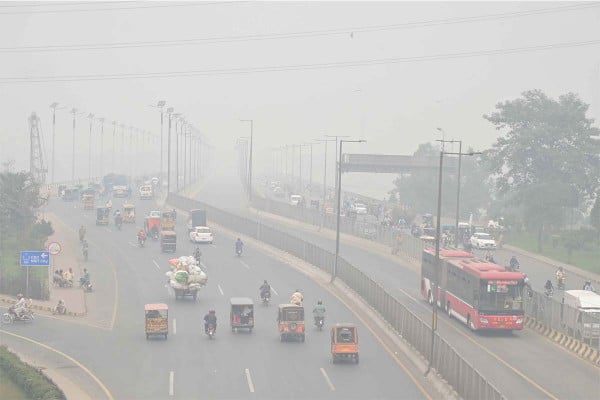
(87, 286)
(141, 241)
(560, 283)
(155, 235)
(210, 331)
(319, 322)
(85, 253)
(266, 298)
(119, 222)
(238, 252)
(549, 292)
(10, 316)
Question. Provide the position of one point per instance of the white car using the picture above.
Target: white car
(295, 199)
(155, 214)
(201, 234)
(360, 208)
(482, 240)
(146, 192)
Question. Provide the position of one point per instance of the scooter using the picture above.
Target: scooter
(141, 241)
(60, 308)
(238, 252)
(87, 286)
(319, 322)
(10, 316)
(549, 292)
(210, 331)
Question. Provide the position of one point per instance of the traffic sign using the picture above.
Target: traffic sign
(35, 259)
(54, 248)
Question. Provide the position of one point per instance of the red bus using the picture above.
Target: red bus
(481, 294)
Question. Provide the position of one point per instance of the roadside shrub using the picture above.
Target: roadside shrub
(33, 382)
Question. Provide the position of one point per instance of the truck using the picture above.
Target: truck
(581, 317)
(197, 218)
(186, 278)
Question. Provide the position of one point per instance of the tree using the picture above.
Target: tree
(595, 216)
(544, 161)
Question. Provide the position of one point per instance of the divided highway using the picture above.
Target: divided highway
(112, 344)
(521, 364)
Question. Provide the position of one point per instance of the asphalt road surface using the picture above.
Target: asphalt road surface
(521, 364)
(111, 341)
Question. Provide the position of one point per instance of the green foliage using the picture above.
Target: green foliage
(546, 160)
(595, 216)
(419, 189)
(32, 381)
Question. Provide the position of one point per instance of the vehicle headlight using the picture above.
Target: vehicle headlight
(483, 320)
(519, 320)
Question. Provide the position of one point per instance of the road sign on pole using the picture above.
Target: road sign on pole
(54, 248)
(35, 259)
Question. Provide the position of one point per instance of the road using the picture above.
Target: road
(516, 363)
(111, 341)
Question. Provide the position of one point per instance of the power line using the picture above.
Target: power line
(148, 6)
(294, 67)
(292, 35)
(19, 4)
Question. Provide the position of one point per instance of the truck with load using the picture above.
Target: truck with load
(581, 317)
(186, 277)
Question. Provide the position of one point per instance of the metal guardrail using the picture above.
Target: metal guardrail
(461, 375)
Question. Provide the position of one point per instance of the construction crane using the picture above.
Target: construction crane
(36, 158)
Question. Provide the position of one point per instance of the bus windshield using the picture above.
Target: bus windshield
(501, 296)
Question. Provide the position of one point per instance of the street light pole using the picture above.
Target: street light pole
(91, 118)
(337, 137)
(339, 198)
(114, 141)
(457, 194)
(53, 107)
(100, 173)
(250, 160)
(74, 112)
(161, 105)
(170, 113)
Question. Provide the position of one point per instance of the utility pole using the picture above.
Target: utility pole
(100, 172)
(114, 142)
(170, 114)
(337, 137)
(53, 107)
(250, 160)
(91, 118)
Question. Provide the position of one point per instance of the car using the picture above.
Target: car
(359, 208)
(155, 214)
(201, 234)
(482, 240)
(295, 199)
(146, 192)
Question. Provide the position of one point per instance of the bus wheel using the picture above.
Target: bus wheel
(470, 323)
(448, 310)
(430, 297)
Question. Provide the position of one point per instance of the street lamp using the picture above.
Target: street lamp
(325, 142)
(170, 113)
(336, 137)
(91, 118)
(114, 142)
(339, 198)
(75, 114)
(54, 106)
(250, 160)
(243, 159)
(437, 244)
(101, 145)
(161, 105)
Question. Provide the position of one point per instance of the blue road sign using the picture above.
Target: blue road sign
(35, 259)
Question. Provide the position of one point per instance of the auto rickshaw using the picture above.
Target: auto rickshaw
(152, 226)
(157, 319)
(70, 194)
(290, 321)
(88, 201)
(102, 215)
(242, 313)
(129, 213)
(344, 342)
(168, 241)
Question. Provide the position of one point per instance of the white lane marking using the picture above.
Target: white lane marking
(131, 244)
(155, 263)
(220, 290)
(244, 264)
(249, 379)
(328, 380)
(174, 326)
(274, 291)
(409, 296)
(171, 379)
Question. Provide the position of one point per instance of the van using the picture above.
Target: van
(146, 192)
(295, 199)
(581, 316)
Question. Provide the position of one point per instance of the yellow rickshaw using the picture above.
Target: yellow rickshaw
(157, 319)
(129, 213)
(344, 342)
(290, 321)
(242, 313)
(102, 215)
(167, 221)
(88, 201)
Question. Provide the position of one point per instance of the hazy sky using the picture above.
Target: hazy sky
(393, 105)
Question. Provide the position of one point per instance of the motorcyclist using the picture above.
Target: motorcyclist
(141, 235)
(197, 255)
(84, 248)
(319, 311)
(85, 278)
(297, 298)
(117, 213)
(265, 289)
(548, 287)
(239, 245)
(81, 233)
(588, 286)
(514, 263)
(210, 318)
(20, 306)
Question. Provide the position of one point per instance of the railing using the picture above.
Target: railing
(461, 375)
